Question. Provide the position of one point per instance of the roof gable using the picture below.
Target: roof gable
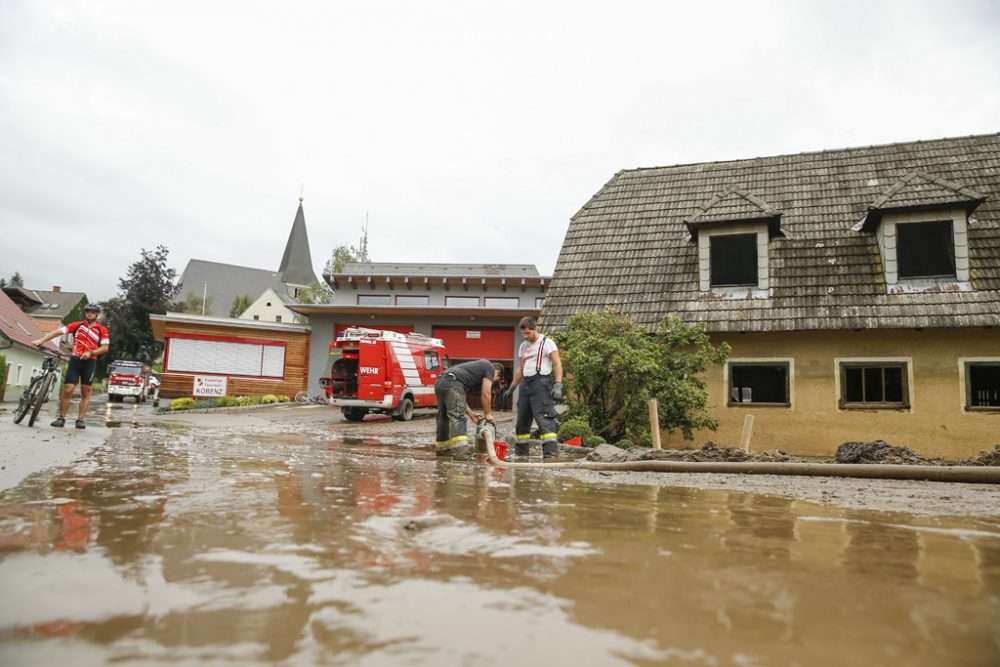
(918, 190)
(18, 326)
(296, 262)
(733, 205)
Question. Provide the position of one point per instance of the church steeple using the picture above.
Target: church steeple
(296, 263)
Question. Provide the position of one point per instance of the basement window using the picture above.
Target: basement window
(926, 249)
(759, 383)
(982, 385)
(733, 260)
(873, 386)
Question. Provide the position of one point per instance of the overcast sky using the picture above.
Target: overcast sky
(466, 131)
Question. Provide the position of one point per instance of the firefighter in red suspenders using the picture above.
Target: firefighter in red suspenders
(538, 365)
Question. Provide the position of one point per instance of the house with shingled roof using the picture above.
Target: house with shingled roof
(859, 288)
(49, 308)
(23, 360)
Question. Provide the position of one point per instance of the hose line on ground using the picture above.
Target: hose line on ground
(966, 474)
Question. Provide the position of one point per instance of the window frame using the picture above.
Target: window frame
(387, 297)
(450, 297)
(436, 357)
(508, 299)
(762, 290)
(789, 366)
(964, 366)
(906, 380)
(750, 236)
(887, 237)
(911, 225)
(425, 297)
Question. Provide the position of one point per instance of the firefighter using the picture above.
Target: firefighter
(538, 365)
(453, 407)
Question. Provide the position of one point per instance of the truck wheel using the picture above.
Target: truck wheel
(405, 412)
(353, 414)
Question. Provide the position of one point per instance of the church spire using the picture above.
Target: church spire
(296, 263)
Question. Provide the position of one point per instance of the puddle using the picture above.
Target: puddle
(275, 545)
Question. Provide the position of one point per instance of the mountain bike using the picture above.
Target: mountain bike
(37, 392)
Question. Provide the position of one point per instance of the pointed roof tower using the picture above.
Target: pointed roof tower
(296, 263)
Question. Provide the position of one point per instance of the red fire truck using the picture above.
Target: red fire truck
(371, 370)
(127, 378)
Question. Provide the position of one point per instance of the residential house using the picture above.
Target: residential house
(50, 309)
(24, 361)
(473, 308)
(859, 288)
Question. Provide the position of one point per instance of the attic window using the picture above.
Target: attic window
(926, 249)
(733, 260)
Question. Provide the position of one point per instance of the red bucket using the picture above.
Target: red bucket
(501, 448)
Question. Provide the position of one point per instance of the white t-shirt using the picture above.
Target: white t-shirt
(531, 356)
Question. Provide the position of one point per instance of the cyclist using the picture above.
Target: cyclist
(90, 340)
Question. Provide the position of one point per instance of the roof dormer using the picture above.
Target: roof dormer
(733, 230)
(921, 224)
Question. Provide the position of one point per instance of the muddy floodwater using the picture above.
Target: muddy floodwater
(265, 540)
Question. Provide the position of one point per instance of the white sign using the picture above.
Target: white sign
(472, 334)
(210, 385)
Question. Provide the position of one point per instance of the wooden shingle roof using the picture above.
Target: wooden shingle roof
(630, 246)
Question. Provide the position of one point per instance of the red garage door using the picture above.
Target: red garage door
(469, 343)
(398, 328)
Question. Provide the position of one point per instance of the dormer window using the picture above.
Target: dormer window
(733, 232)
(733, 260)
(925, 249)
(921, 225)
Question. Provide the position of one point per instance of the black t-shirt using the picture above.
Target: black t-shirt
(471, 374)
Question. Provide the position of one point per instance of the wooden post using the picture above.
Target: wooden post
(747, 430)
(654, 422)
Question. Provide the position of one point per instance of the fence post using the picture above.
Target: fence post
(654, 422)
(745, 436)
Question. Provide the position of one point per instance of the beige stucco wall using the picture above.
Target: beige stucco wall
(936, 424)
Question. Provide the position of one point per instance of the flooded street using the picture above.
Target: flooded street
(290, 537)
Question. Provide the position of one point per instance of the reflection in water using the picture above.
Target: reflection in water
(270, 547)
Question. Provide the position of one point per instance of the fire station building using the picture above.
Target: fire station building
(473, 308)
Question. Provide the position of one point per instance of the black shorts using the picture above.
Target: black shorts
(80, 371)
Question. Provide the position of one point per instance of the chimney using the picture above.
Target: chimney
(56, 288)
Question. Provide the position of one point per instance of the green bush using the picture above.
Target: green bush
(182, 404)
(284, 399)
(573, 428)
(268, 398)
(592, 440)
(203, 403)
(624, 444)
(3, 370)
(615, 365)
(248, 400)
(226, 401)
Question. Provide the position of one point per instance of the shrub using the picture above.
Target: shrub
(226, 402)
(182, 404)
(616, 365)
(572, 428)
(205, 403)
(284, 399)
(624, 444)
(592, 440)
(268, 398)
(248, 400)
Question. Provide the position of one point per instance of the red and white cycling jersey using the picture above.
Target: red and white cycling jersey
(86, 337)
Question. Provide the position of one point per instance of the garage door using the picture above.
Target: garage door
(468, 343)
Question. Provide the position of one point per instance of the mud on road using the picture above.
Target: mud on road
(912, 497)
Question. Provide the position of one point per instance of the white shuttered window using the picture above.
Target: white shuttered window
(189, 355)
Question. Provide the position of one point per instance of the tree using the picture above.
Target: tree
(193, 303)
(15, 281)
(240, 304)
(146, 289)
(316, 293)
(614, 366)
(344, 254)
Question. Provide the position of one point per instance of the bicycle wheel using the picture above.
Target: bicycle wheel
(302, 397)
(27, 400)
(43, 391)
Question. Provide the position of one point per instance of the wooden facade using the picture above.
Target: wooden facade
(293, 338)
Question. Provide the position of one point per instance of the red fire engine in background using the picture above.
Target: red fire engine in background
(372, 370)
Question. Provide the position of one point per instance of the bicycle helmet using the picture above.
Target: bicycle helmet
(95, 307)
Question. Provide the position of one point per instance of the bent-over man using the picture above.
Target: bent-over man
(453, 407)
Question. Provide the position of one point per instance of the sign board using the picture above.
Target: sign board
(210, 385)
(472, 334)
